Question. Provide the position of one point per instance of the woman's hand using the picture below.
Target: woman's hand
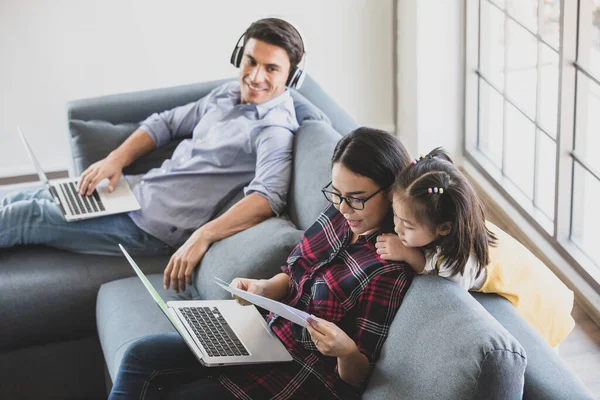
(275, 288)
(256, 286)
(390, 247)
(330, 339)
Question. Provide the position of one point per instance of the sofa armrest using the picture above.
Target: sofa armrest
(547, 376)
(444, 345)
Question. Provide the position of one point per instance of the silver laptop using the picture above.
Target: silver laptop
(219, 332)
(75, 207)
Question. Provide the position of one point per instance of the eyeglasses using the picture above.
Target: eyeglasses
(353, 202)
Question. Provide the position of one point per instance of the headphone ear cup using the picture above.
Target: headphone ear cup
(291, 77)
(236, 56)
(296, 78)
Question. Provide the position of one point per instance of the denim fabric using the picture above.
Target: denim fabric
(32, 217)
(162, 366)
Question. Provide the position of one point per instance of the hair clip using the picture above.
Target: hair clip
(416, 160)
(435, 190)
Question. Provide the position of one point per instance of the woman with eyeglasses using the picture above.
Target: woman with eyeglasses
(334, 274)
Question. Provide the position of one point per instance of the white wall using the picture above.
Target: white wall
(430, 76)
(55, 51)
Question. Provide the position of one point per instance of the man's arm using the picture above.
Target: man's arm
(265, 196)
(250, 211)
(156, 131)
(111, 167)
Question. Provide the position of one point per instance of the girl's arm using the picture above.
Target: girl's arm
(390, 247)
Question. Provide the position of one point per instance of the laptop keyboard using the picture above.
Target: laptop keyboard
(213, 332)
(78, 204)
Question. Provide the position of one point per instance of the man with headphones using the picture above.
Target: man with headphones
(242, 135)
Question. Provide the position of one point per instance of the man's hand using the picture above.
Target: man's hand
(330, 339)
(181, 265)
(390, 247)
(109, 167)
(254, 286)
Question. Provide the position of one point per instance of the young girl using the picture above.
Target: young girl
(441, 230)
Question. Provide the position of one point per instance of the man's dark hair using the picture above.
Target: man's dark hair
(280, 33)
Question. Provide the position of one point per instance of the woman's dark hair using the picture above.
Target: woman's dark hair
(375, 154)
(280, 33)
(457, 202)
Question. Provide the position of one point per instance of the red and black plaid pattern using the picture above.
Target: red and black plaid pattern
(342, 282)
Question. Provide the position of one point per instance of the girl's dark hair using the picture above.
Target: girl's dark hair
(458, 204)
(280, 33)
(375, 154)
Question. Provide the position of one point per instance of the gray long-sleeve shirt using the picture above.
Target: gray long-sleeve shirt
(232, 145)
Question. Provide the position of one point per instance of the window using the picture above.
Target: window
(533, 114)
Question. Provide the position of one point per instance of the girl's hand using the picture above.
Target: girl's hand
(255, 286)
(329, 338)
(390, 247)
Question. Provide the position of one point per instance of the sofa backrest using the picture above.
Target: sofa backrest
(444, 345)
(313, 147)
(98, 125)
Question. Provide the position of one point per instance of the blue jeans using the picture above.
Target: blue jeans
(163, 367)
(32, 217)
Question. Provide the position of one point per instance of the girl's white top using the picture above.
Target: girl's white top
(467, 280)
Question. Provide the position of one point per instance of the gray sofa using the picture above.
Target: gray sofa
(67, 316)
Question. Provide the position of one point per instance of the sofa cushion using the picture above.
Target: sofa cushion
(444, 345)
(537, 294)
(125, 312)
(313, 147)
(94, 140)
(341, 121)
(258, 252)
(306, 111)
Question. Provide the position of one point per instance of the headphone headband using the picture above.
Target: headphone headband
(296, 75)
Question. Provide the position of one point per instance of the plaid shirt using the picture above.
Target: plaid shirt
(341, 282)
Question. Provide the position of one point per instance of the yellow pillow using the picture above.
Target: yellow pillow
(537, 294)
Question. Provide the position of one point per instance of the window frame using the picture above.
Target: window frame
(559, 231)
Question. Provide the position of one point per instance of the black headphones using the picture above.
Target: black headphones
(297, 74)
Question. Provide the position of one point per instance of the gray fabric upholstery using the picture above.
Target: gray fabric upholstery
(63, 370)
(443, 345)
(341, 121)
(547, 376)
(306, 111)
(258, 252)
(56, 291)
(137, 106)
(313, 147)
(94, 140)
(126, 312)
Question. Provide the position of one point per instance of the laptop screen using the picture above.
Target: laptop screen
(34, 160)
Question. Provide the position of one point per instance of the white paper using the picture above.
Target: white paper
(290, 313)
